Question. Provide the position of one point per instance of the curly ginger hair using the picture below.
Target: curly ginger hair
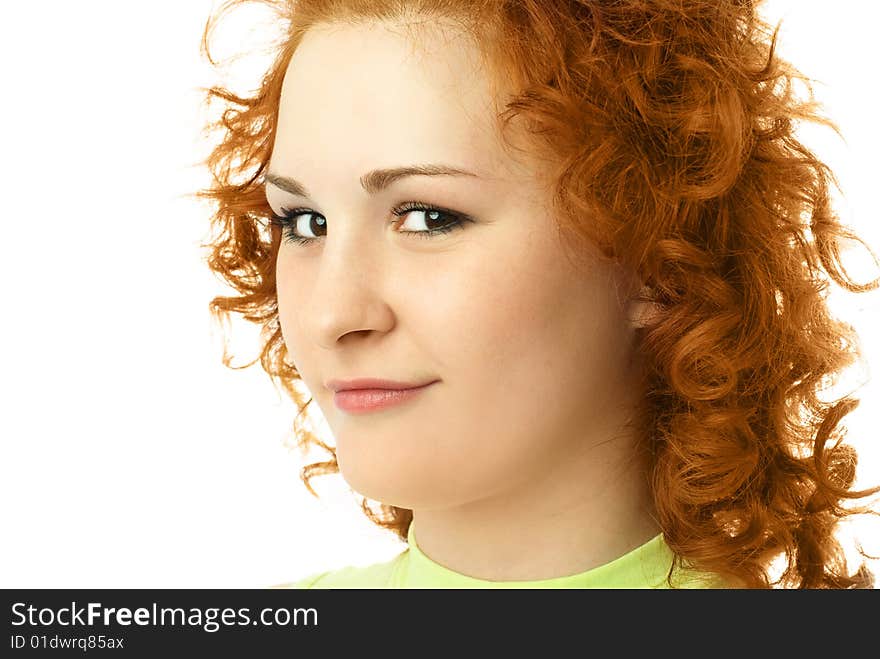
(667, 129)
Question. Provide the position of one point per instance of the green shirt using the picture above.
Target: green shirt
(645, 566)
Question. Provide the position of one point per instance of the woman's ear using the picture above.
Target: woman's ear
(638, 300)
(642, 310)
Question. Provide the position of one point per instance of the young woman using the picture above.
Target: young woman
(554, 273)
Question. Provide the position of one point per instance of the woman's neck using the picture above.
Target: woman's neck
(586, 512)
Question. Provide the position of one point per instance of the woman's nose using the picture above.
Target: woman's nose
(348, 294)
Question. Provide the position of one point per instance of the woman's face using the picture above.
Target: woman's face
(530, 354)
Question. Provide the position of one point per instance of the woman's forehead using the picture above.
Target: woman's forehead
(356, 94)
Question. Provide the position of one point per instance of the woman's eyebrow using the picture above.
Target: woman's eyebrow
(376, 180)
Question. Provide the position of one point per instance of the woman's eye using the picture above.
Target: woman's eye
(294, 222)
(433, 219)
(309, 225)
(303, 226)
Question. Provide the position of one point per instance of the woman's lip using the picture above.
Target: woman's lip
(371, 383)
(371, 400)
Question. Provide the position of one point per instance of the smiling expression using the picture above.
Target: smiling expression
(459, 278)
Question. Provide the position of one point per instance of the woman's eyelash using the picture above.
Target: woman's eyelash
(288, 220)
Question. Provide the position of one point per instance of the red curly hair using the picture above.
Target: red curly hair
(667, 129)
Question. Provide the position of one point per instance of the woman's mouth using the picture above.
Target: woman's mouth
(371, 400)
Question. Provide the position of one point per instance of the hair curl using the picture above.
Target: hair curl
(667, 127)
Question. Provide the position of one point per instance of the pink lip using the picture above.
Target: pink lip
(370, 400)
(371, 383)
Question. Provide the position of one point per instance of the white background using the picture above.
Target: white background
(131, 457)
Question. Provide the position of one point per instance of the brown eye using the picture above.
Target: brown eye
(300, 219)
(303, 226)
(428, 215)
